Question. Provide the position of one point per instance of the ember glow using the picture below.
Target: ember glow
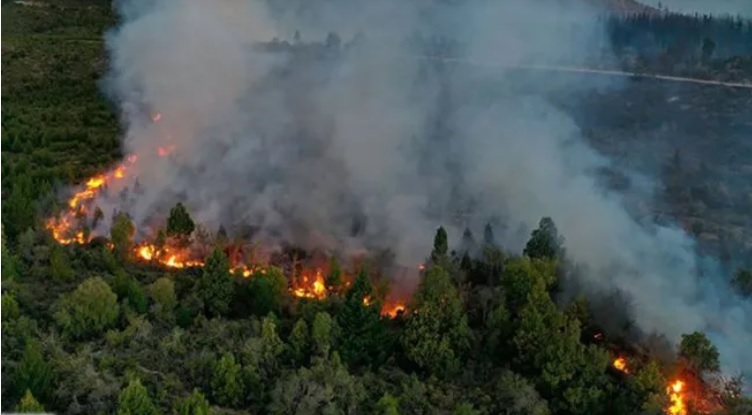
(620, 364)
(676, 395)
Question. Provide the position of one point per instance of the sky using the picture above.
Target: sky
(734, 7)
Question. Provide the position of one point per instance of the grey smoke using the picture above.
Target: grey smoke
(310, 152)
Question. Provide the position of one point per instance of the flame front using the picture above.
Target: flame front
(167, 256)
(677, 399)
(63, 226)
(620, 364)
(67, 228)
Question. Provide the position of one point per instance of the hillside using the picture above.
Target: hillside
(103, 313)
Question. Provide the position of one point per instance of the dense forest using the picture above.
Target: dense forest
(96, 329)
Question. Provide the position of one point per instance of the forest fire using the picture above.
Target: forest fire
(620, 364)
(675, 393)
(67, 228)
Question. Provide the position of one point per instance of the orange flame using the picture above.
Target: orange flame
(677, 398)
(311, 289)
(62, 226)
(167, 256)
(620, 363)
(392, 310)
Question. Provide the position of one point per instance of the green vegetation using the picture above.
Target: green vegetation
(88, 330)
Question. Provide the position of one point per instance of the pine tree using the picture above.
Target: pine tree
(366, 342)
(179, 223)
(135, 400)
(437, 332)
(29, 404)
(33, 374)
(545, 242)
(193, 404)
(121, 233)
(215, 288)
(440, 248)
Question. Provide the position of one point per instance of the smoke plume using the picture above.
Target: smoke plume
(361, 143)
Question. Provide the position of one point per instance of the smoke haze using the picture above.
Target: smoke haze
(373, 148)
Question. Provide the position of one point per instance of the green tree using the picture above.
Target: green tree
(226, 381)
(162, 292)
(121, 233)
(522, 275)
(322, 333)
(89, 310)
(648, 386)
(325, 388)
(7, 261)
(545, 242)
(215, 288)
(367, 339)
(179, 223)
(9, 307)
(699, 352)
(193, 404)
(267, 291)
(548, 346)
(436, 333)
(298, 341)
(465, 408)
(260, 361)
(439, 255)
(135, 400)
(136, 297)
(29, 405)
(334, 277)
(60, 267)
(387, 405)
(19, 207)
(33, 372)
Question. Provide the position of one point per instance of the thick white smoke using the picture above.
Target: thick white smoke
(371, 147)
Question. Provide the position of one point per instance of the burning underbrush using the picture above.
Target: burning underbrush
(307, 275)
(80, 221)
(686, 391)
